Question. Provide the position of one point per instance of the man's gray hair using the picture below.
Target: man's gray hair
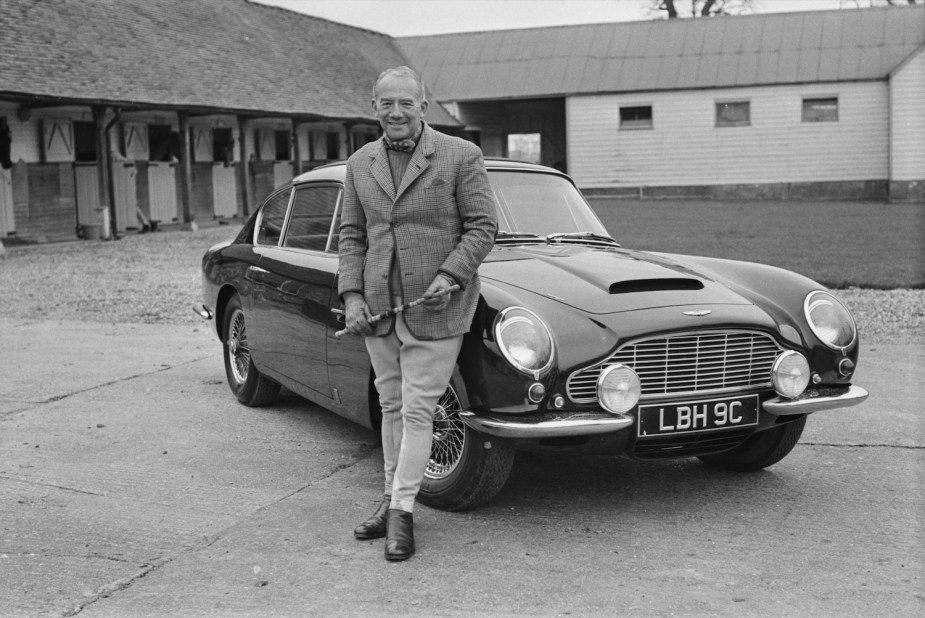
(401, 71)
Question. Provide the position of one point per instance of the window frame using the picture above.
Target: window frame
(637, 124)
(332, 227)
(283, 226)
(721, 122)
(820, 118)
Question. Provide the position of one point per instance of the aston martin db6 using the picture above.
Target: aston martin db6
(577, 342)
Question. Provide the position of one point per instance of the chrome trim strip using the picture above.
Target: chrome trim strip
(575, 425)
(812, 401)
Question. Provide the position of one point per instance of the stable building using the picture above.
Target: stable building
(131, 113)
(814, 105)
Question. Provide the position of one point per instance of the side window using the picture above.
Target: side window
(272, 218)
(314, 210)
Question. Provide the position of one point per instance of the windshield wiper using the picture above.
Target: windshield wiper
(588, 237)
(516, 237)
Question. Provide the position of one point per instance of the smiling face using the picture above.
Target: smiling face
(399, 106)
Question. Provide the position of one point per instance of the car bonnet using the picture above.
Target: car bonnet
(601, 281)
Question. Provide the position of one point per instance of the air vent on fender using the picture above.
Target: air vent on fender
(655, 285)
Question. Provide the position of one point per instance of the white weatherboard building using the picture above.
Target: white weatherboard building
(816, 104)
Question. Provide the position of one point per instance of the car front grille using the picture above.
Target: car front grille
(687, 363)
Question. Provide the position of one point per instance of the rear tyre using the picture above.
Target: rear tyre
(761, 450)
(466, 469)
(248, 385)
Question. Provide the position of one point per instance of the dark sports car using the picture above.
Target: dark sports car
(577, 342)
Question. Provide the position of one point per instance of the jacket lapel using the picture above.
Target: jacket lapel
(379, 167)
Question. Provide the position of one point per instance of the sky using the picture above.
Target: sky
(418, 17)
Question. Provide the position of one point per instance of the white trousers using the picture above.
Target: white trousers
(411, 376)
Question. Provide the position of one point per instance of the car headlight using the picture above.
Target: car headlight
(790, 374)
(830, 320)
(524, 341)
(618, 389)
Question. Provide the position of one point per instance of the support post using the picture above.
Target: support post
(296, 149)
(244, 154)
(186, 188)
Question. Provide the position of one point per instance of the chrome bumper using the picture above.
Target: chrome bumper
(814, 400)
(202, 311)
(582, 424)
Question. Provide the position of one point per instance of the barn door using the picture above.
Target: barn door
(125, 198)
(88, 194)
(224, 190)
(162, 191)
(7, 223)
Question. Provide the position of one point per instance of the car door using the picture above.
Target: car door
(298, 281)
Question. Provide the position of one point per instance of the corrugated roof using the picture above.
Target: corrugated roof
(213, 54)
(767, 49)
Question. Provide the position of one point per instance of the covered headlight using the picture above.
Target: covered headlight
(830, 320)
(524, 341)
(790, 374)
(618, 389)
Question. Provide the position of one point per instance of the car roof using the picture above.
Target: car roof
(335, 171)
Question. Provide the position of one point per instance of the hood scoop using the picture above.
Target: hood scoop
(655, 285)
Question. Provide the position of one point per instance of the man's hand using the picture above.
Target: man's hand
(438, 303)
(356, 314)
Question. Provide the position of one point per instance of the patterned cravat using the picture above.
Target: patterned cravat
(402, 145)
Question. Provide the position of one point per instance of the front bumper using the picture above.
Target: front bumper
(551, 425)
(815, 400)
(561, 425)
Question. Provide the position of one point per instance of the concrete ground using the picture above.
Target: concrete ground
(133, 484)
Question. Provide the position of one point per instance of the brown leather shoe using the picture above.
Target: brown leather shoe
(374, 527)
(399, 535)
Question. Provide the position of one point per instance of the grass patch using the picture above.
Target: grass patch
(839, 244)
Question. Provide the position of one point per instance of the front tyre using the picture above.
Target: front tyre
(466, 469)
(248, 385)
(761, 450)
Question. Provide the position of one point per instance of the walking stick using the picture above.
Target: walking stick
(396, 310)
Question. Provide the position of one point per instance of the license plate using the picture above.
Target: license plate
(697, 416)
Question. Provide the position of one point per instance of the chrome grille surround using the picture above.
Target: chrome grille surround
(688, 363)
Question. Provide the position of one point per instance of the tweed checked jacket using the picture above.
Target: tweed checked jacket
(442, 219)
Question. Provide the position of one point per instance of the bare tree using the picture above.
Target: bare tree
(673, 9)
(863, 4)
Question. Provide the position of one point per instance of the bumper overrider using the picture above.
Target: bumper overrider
(563, 424)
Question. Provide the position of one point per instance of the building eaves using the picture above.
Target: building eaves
(223, 55)
(754, 50)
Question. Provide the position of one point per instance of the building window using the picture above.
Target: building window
(524, 147)
(84, 141)
(282, 145)
(333, 145)
(733, 114)
(223, 145)
(820, 109)
(638, 117)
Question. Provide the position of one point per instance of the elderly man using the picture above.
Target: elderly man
(418, 218)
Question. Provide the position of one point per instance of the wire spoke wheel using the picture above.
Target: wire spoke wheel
(449, 437)
(237, 346)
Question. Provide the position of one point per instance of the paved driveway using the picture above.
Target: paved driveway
(132, 484)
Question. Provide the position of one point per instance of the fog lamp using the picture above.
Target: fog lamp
(536, 392)
(790, 374)
(618, 389)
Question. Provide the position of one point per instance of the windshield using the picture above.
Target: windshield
(541, 204)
